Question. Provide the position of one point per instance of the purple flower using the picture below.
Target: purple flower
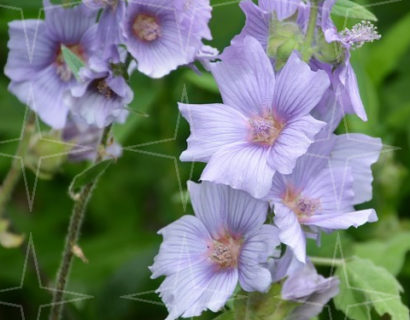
(101, 97)
(86, 140)
(110, 23)
(263, 126)
(309, 289)
(320, 193)
(39, 75)
(204, 256)
(162, 35)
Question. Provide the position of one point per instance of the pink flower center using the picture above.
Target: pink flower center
(302, 206)
(62, 69)
(146, 27)
(265, 130)
(225, 251)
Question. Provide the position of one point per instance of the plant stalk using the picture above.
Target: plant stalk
(310, 32)
(73, 234)
(327, 262)
(14, 174)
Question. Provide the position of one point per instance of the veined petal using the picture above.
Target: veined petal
(244, 84)
(185, 245)
(342, 220)
(298, 89)
(283, 8)
(242, 166)
(256, 25)
(293, 142)
(213, 126)
(222, 209)
(359, 152)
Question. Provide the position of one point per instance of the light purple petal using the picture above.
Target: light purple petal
(293, 142)
(255, 252)
(359, 152)
(290, 230)
(298, 89)
(256, 25)
(285, 266)
(31, 49)
(185, 245)
(222, 208)
(342, 220)
(212, 127)
(244, 84)
(242, 166)
(283, 8)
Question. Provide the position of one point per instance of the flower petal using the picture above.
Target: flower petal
(244, 84)
(283, 8)
(293, 142)
(212, 127)
(298, 89)
(242, 166)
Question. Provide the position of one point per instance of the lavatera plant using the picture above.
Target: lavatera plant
(277, 176)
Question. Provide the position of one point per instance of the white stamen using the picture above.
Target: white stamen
(361, 33)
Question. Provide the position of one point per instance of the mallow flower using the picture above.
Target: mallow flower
(321, 192)
(205, 256)
(261, 24)
(35, 65)
(101, 97)
(110, 22)
(263, 125)
(310, 290)
(162, 35)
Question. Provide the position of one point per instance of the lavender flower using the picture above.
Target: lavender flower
(320, 194)
(263, 126)
(110, 23)
(39, 75)
(101, 97)
(162, 35)
(204, 256)
(309, 289)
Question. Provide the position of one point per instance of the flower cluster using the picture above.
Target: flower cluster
(105, 37)
(271, 155)
(276, 174)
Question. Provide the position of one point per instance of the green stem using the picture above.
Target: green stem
(14, 174)
(73, 235)
(319, 261)
(310, 32)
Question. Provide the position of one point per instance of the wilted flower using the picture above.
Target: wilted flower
(39, 75)
(204, 256)
(162, 35)
(263, 126)
(101, 97)
(311, 290)
(321, 192)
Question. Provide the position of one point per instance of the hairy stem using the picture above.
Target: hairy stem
(73, 234)
(14, 174)
(319, 261)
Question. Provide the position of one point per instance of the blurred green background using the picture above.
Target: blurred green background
(142, 192)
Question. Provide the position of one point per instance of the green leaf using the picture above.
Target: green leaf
(386, 54)
(74, 63)
(350, 9)
(389, 254)
(364, 284)
(228, 315)
(87, 176)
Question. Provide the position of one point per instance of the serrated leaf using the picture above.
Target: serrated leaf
(364, 284)
(350, 9)
(73, 62)
(389, 254)
(87, 176)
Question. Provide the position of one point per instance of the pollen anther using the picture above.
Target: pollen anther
(146, 27)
